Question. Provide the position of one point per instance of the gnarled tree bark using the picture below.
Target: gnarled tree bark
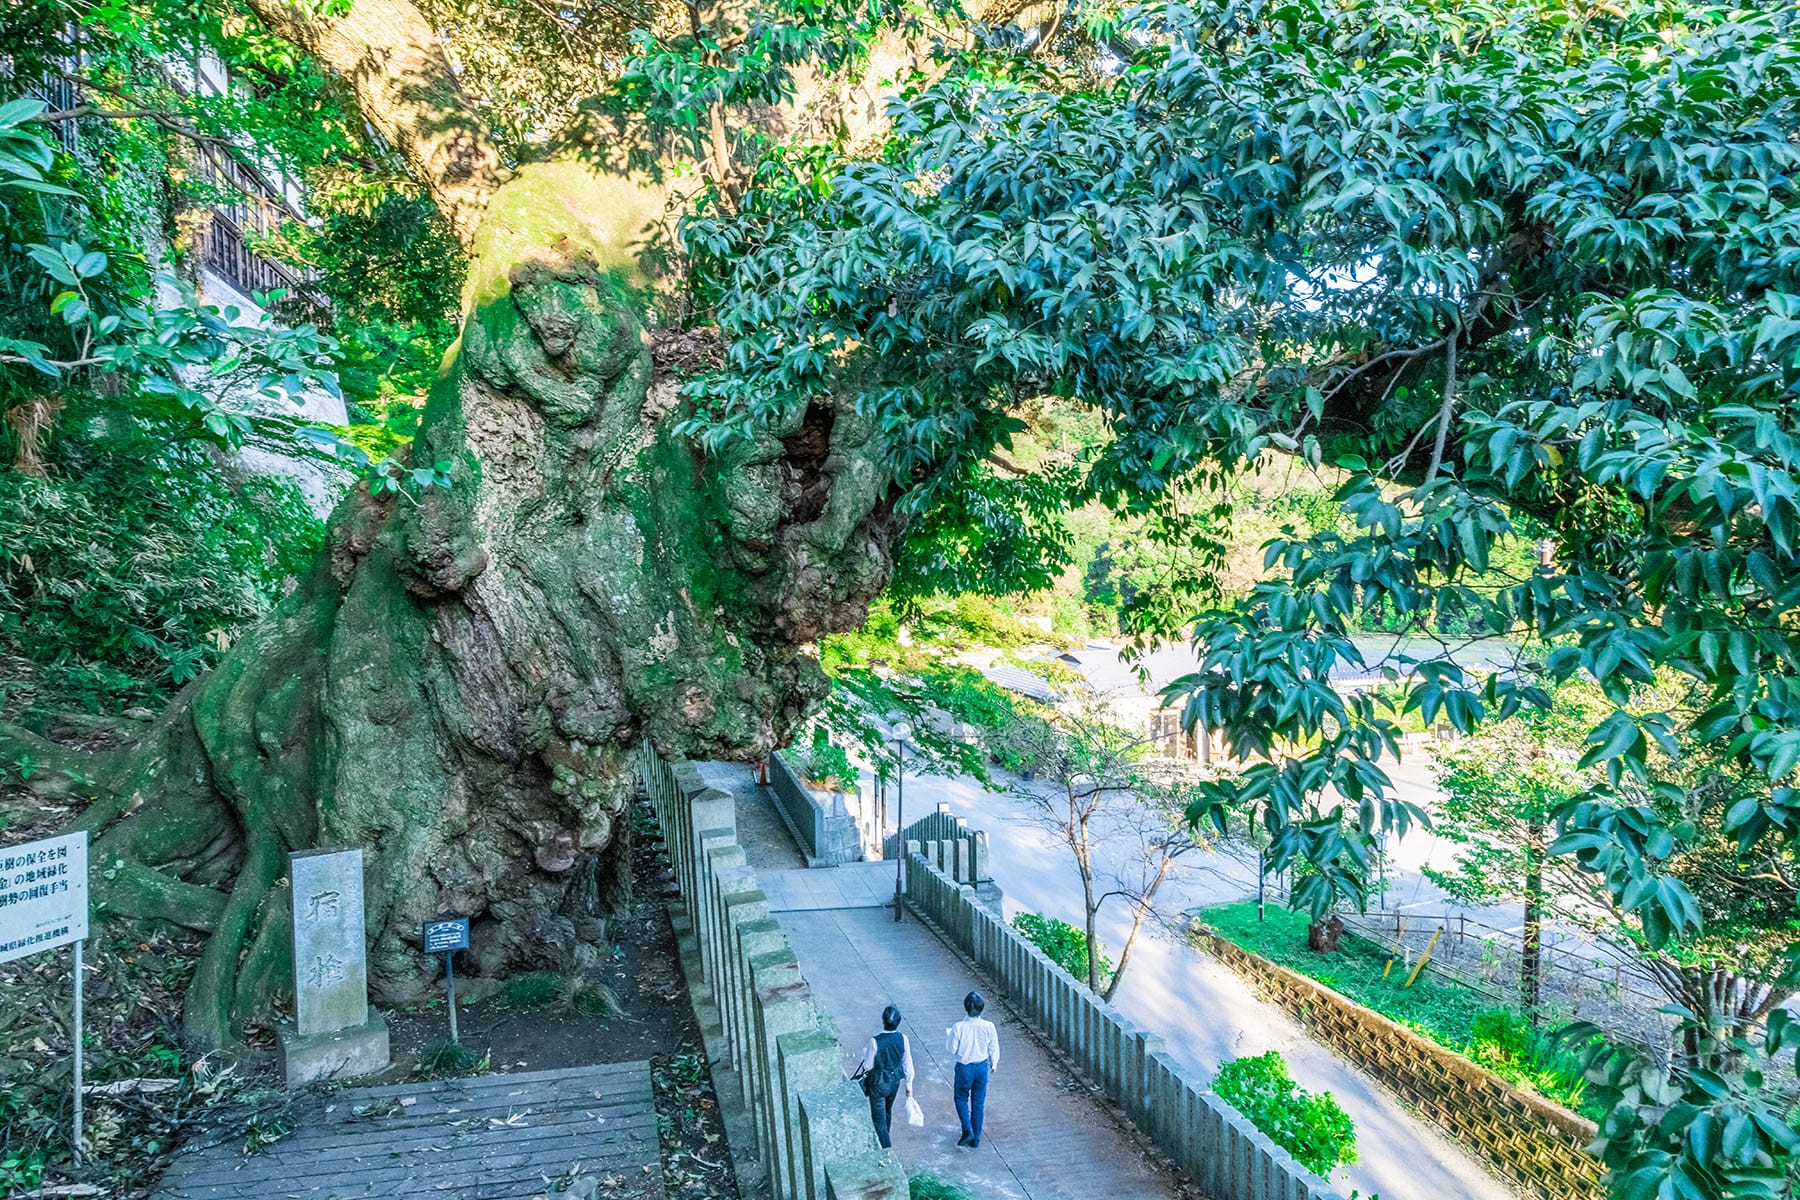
(460, 682)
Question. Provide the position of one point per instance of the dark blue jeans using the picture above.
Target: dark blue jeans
(971, 1096)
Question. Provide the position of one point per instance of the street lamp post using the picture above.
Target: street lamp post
(902, 731)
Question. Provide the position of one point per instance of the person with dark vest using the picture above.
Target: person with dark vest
(975, 1045)
(886, 1066)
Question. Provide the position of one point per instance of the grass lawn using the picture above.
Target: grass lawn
(1443, 1010)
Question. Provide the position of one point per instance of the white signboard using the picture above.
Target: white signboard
(43, 895)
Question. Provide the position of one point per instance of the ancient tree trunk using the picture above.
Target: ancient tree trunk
(458, 686)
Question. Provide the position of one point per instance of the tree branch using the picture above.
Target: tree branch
(996, 459)
(406, 88)
(138, 111)
(1448, 406)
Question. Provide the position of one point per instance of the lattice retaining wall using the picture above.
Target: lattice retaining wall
(1536, 1144)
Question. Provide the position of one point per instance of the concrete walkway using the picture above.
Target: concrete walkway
(1046, 1137)
(1209, 1015)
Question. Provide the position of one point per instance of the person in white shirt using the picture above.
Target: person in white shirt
(975, 1045)
(886, 1065)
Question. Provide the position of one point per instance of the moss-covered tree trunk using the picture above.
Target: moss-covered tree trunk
(458, 686)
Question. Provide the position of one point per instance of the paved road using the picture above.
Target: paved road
(1206, 1013)
(1045, 1137)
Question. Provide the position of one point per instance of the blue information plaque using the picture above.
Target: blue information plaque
(446, 934)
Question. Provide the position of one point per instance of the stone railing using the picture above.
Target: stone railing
(1221, 1152)
(1536, 1144)
(826, 824)
(811, 1123)
(946, 839)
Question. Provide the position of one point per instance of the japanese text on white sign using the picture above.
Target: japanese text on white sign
(43, 895)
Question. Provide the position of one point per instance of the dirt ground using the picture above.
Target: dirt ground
(160, 1096)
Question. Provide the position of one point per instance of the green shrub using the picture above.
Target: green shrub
(1308, 1125)
(1065, 945)
(451, 1058)
(1500, 1035)
(127, 570)
(826, 763)
(535, 989)
(596, 1000)
(930, 1187)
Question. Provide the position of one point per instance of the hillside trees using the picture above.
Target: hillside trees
(1122, 821)
(1537, 263)
(1505, 787)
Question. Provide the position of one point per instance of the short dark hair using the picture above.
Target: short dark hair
(973, 1004)
(890, 1018)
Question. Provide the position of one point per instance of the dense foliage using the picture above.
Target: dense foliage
(1541, 265)
(1064, 944)
(134, 550)
(1308, 1125)
(130, 567)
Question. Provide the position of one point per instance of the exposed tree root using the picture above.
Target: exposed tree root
(134, 890)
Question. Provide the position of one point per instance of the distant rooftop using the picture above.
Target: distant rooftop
(1107, 673)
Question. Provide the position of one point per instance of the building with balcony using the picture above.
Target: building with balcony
(239, 199)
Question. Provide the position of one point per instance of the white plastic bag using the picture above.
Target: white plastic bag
(914, 1114)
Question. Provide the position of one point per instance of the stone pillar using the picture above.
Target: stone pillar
(979, 849)
(811, 1068)
(742, 903)
(723, 871)
(756, 939)
(335, 1035)
(782, 1004)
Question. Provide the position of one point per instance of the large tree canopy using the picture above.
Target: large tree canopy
(1539, 262)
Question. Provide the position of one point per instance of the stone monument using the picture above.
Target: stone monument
(335, 1034)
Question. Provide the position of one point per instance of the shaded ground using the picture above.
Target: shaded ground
(640, 970)
(761, 831)
(137, 972)
(656, 1022)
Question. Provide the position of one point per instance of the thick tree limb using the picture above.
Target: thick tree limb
(406, 88)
